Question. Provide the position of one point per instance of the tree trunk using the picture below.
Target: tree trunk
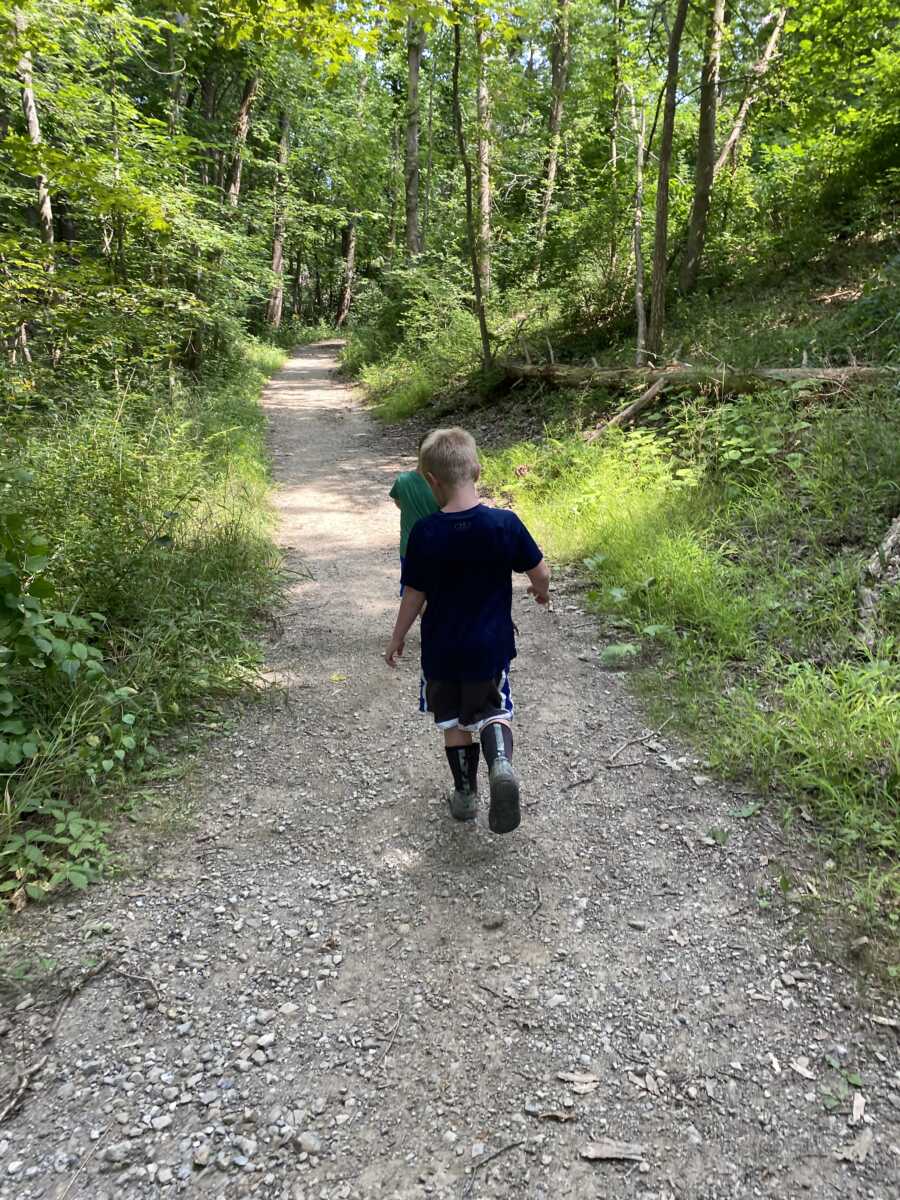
(176, 75)
(241, 129)
(471, 237)
(297, 287)
(615, 117)
(706, 148)
(348, 252)
(415, 44)
(208, 112)
(559, 72)
(29, 109)
(759, 70)
(483, 109)
(661, 230)
(276, 299)
(735, 381)
(393, 193)
(640, 308)
(426, 204)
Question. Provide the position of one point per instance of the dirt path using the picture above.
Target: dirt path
(359, 998)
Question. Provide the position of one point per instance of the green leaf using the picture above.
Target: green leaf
(35, 892)
(77, 879)
(80, 650)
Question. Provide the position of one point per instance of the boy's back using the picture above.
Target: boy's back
(463, 562)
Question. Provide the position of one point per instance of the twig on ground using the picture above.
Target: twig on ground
(483, 1162)
(578, 782)
(137, 979)
(16, 1095)
(540, 899)
(386, 1051)
(639, 741)
(485, 988)
(87, 1158)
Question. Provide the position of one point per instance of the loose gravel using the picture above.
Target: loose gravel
(319, 987)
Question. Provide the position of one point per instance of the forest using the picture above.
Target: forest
(653, 243)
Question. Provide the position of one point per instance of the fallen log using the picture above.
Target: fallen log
(634, 409)
(736, 381)
(880, 572)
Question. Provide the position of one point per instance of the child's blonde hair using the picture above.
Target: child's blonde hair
(450, 455)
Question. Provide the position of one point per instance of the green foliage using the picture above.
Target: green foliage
(419, 338)
(734, 537)
(151, 511)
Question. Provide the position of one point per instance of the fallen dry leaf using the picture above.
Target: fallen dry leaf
(856, 1152)
(558, 1114)
(607, 1149)
(801, 1066)
(859, 1108)
(678, 938)
(583, 1082)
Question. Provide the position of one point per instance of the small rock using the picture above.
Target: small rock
(202, 1155)
(165, 1175)
(310, 1142)
(496, 921)
(160, 1123)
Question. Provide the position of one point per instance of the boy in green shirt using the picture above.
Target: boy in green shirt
(415, 499)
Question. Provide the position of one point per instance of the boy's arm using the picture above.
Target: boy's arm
(410, 606)
(539, 579)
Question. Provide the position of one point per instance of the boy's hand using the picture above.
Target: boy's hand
(394, 651)
(540, 596)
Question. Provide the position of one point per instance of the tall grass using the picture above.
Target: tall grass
(735, 536)
(153, 508)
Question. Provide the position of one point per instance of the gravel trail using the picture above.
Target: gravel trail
(318, 987)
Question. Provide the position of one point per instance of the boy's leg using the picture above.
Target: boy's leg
(462, 755)
(442, 699)
(504, 814)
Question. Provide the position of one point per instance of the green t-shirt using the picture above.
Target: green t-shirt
(416, 500)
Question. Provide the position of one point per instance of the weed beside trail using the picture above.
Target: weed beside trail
(734, 537)
(135, 550)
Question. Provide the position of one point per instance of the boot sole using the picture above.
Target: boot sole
(504, 814)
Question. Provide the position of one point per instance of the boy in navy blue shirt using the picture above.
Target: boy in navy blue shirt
(460, 560)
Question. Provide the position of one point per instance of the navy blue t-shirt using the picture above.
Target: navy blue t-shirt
(463, 562)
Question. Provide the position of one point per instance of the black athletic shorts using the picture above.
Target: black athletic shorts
(466, 705)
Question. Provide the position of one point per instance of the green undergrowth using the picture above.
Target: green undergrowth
(411, 338)
(724, 545)
(135, 555)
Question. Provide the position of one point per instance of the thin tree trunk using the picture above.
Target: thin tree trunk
(426, 204)
(29, 109)
(640, 128)
(759, 70)
(300, 280)
(415, 44)
(483, 112)
(176, 75)
(615, 117)
(393, 194)
(208, 112)
(471, 235)
(559, 73)
(276, 299)
(706, 148)
(348, 252)
(241, 129)
(661, 230)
